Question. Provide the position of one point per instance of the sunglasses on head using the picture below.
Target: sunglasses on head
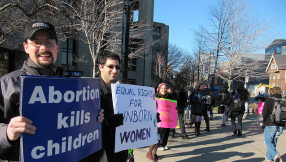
(113, 66)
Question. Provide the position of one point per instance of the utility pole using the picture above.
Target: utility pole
(199, 67)
(209, 69)
(125, 38)
(216, 59)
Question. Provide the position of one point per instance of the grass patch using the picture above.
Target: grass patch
(216, 105)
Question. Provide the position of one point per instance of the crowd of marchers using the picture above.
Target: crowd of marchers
(197, 104)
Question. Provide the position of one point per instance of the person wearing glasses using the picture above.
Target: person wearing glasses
(109, 68)
(41, 45)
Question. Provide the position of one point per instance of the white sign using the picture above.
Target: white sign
(138, 106)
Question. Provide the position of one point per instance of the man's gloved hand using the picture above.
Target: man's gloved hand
(158, 118)
(114, 120)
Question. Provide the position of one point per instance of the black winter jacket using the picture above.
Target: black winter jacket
(108, 134)
(197, 102)
(267, 109)
(182, 101)
(9, 103)
(225, 98)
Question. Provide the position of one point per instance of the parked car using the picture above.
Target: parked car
(262, 97)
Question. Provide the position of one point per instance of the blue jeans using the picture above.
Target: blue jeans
(271, 134)
(224, 116)
(189, 107)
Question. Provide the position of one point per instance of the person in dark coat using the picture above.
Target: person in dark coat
(241, 95)
(181, 105)
(198, 107)
(41, 45)
(189, 107)
(225, 99)
(206, 103)
(212, 105)
(109, 68)
(271, 131)
(193, 118)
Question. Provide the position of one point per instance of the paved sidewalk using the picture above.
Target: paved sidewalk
(218, 144)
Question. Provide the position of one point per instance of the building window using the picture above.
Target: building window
(278, 76)
(135, 11)
(156, 37)
(278, 50)
(132, 81)
(274, 77)
(156, 29)
(132, 64)
(135, 15)
(273, 66)
(283, 50)
(4, 63)
(157, 47)
(68, 52)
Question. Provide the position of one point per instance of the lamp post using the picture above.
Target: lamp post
(125, 38)
(216, 60)
(246, 79)
(198, 67)
(209, 68)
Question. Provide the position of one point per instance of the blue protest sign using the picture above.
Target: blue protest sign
(64, 112)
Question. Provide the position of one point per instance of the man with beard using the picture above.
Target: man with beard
(41, 44)
(109, 68)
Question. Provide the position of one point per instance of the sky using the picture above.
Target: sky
(185, 16)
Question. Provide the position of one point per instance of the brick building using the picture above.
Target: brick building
(276, 70)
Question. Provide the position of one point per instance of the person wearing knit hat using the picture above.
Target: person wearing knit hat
(152, 153)
(160, 86)
(162, 92)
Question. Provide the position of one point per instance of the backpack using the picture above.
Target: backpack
(278, 114)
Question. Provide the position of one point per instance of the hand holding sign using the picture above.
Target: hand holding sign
(114, 120)
(18, 125)
(101, 115)
(158, 118)
(65, 112)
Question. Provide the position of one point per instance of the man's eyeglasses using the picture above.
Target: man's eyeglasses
(47, 43)
(113, 66)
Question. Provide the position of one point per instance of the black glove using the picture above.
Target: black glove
(114, 120)
(158, 118)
